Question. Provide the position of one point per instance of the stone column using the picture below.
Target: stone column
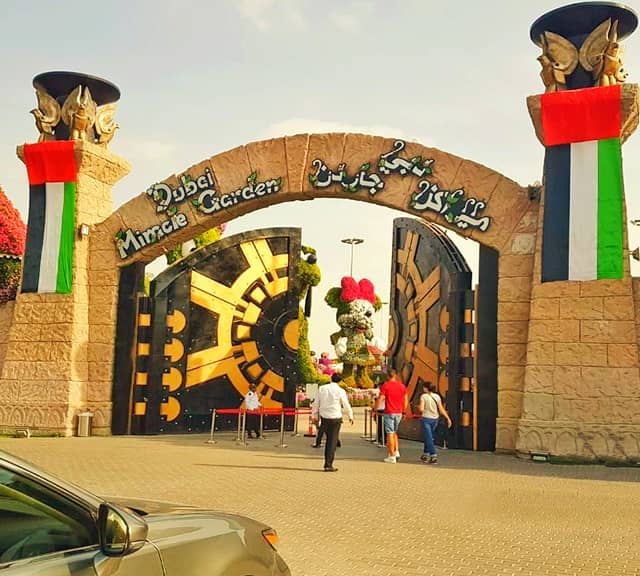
(582, 382)
(46, 376)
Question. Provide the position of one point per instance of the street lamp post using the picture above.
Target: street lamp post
(352, 242)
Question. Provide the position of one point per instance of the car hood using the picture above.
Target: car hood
(143, 507)
(156, 513)
(180, 531)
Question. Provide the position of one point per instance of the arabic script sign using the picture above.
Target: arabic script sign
(452, 206)
(364, 178)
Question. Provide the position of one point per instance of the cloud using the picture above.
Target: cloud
(262, 13)
(349, 17)
(256, 11)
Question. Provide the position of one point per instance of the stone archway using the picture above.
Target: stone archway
(491, 209)
(567, 358)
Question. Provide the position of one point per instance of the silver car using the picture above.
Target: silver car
(53, 528)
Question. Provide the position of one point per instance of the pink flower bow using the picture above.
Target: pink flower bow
(352, 290)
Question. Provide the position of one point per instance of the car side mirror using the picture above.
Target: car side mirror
(120, 532)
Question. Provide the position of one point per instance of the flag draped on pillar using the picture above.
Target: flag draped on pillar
(583, 215)
(48, 260)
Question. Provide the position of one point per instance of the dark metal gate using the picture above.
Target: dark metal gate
(433, 336)
(217, 320)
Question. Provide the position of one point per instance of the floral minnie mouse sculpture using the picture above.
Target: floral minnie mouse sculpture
(356, 303)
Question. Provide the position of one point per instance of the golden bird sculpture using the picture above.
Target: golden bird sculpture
(559, 59)
(47, 115)
(601, 54)
(105, 125)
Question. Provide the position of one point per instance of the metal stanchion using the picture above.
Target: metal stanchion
(366, 423)
(371, 438)
(282, 444)
(213, 427)
(262, 423)
(384, 433)
(380, 430)
(242, 416)
(295, 423)
(244, 427)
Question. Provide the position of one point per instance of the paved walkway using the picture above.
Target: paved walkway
(474, 513)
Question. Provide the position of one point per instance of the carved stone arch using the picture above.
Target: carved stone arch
(291, 161)
(270, 172)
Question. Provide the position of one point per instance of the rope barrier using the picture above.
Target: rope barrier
(241, 413)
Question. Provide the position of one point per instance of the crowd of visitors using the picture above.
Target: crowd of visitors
(390, 404)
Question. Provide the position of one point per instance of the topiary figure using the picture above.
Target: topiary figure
(308, 276)
(204, 239)
(356, 303)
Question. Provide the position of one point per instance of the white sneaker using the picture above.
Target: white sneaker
(397, 454)
(390, 460)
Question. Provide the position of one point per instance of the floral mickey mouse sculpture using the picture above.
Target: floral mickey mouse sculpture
(356, 303)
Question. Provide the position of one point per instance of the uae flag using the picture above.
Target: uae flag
(48, 259)
(583, 204)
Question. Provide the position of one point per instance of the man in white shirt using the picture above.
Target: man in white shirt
(252, 403)
(328, 405)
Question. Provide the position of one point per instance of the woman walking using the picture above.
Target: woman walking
(431, 409)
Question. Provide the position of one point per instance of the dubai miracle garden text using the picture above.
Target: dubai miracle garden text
(204, 197)
(454, 206)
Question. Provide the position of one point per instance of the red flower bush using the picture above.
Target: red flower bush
(13, 233)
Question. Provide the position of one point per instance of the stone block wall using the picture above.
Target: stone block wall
(582, 380)
(6, 319)
(46, 375)
(514, 293)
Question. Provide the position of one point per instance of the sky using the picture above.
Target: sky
(198, 78)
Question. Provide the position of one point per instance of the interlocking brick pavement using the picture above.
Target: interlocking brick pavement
(473, 513)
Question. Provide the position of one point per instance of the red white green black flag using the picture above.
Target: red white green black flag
(583, 217)
(48, 260)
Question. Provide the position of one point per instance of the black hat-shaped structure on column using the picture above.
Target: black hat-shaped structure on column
(576, 22)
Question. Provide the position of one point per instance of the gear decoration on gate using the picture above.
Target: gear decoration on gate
(237, 353)
(426, 352)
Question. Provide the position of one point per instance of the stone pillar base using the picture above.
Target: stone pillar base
(506, 434)
(580, 441)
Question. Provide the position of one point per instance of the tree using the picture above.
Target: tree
(13, 234)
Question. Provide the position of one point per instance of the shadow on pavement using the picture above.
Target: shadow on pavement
(357, 449)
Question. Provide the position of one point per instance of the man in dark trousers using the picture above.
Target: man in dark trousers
(252, 405)
(329, 404)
